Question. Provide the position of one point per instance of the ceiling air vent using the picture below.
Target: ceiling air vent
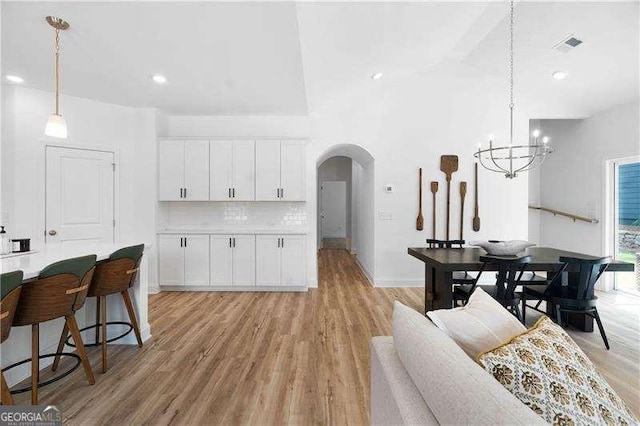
(568, 44)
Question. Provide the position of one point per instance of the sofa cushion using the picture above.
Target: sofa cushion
(456, 389)
(394, 397)
(480, 325)
(548, 372)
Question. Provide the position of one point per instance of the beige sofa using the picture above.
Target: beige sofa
(421, 377)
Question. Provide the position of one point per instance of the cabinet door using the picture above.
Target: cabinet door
(221, 260)
(196, 170)
(292, 170)
(196, 260)
(267, 260)
(244, 170)
(170, 260)
(293, 260)
(170, 170)
(220, 164)
(267, 170)
(244, 260)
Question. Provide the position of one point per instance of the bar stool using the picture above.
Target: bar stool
(116, 275)
(9, 295)
(59, 291)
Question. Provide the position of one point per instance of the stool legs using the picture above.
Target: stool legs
(132, 316)
(5, 393)
(35, 362)
(75, 332)
(97, 339)
(63, 339)
(102, 302)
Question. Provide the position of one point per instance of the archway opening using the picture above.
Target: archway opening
(345, 177)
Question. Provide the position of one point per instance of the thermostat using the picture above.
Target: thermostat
(389, 188)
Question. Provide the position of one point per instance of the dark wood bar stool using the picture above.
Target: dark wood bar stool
(115, 275)
(59, 291)
(510, 270)
(10, 289)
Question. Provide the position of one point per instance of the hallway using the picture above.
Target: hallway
(274, 358)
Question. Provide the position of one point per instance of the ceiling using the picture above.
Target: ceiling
(281, 58)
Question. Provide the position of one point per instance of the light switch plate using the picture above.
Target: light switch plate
(385, 216)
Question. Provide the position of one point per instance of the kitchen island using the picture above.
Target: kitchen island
(18, 345)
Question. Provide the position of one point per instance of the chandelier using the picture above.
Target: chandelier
(513, 159)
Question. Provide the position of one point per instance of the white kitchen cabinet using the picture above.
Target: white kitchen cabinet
(196, 260)
(280, 170)
(232, 170)
(280, 260)
(183, 170)
(293, 260)
(267, 170)
(183, 260)
(233, 260)
(292, 170)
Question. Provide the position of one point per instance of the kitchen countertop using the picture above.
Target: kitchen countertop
(237, 231)
(46, 254)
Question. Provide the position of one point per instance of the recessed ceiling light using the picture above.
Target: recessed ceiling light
(15, 79)
(160, 79)
(559, 75)
(376, 76)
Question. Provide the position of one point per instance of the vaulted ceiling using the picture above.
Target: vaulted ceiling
(275, 58)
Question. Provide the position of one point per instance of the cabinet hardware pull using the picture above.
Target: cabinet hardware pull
(180, 192)
(282, 242)
(180, 241)
(234, 192)
(229, 192)
(278, 242)
(234, 242)
(229, 242)
(281, 192)
(185, 241)
(278, 192)
(185, 196)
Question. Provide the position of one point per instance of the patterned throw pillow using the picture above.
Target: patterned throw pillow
(549, 373)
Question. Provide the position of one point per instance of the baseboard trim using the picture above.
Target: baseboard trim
(390, 283)
(246, 289)
(153, 289)
(364, 271)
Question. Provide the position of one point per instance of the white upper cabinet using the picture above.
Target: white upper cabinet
(170, 170)
(183, 170)
(232, 174)
(267, 170)
(220, 163)
(243, 171)
(292, 170)
(280, 170)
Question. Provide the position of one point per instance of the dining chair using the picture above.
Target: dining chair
(510, 270)
(10, 288)
(459, 277)
(577, 298)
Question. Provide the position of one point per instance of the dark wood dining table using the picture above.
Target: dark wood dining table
(441, 263)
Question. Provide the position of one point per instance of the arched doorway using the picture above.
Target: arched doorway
(345, 187)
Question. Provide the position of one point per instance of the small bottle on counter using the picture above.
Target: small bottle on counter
(5, 242)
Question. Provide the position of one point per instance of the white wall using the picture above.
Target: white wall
(337, 169)
(573, 178)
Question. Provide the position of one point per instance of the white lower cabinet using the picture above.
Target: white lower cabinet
(204, 262)
(233, 260)
(280, 260)
(183, 260)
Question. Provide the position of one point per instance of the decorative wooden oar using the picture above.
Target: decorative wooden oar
(420, 220)
(434, 190)
(463, 193)
(476, 218)
(449, 165)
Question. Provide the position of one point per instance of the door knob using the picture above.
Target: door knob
(52, 232)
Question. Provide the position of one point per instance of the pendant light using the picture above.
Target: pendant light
(56, 124)
(515, 157)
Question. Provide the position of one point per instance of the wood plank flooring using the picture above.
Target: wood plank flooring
(274, 358)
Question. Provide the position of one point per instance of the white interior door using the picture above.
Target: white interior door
(244, 171)
(244, 260)
(170, 170)
(267, 170)
(334, 209)
(196, 170)
(292, 174)
(220, 162)
(79, 195)
(221, 260)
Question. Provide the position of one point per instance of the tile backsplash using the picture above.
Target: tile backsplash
(233, 214)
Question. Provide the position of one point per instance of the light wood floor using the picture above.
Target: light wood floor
(273, 358)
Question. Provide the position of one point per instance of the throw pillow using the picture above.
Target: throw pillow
(549, 373)
(480, 325)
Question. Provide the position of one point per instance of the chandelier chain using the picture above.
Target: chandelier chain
(511, 28)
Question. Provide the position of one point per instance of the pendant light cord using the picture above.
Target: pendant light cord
(57, 71)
